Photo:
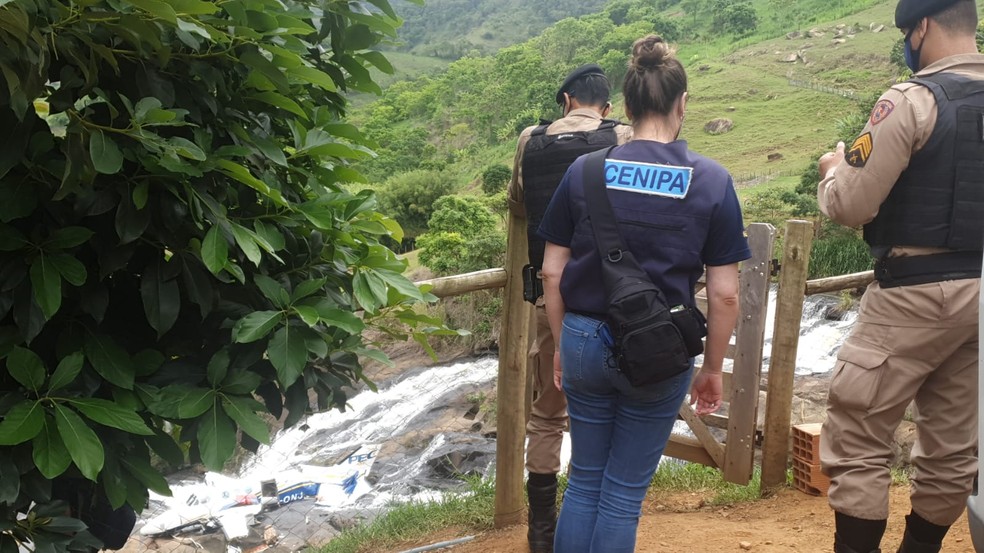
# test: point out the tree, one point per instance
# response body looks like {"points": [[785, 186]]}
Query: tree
{"points": [[410, 198], [463, 236], [175, 241], [495, 177], [738, 18]]}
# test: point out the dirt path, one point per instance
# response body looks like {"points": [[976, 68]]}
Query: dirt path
{"points": [[790, 521]]}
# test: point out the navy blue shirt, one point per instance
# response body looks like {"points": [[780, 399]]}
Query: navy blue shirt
{"points": [[677, 211]]}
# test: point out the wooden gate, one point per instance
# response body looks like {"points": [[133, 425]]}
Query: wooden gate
{"points": [[735, 456]]}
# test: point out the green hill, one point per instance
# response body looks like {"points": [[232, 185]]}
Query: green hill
{"points": [[450, 29], [467, 117]]}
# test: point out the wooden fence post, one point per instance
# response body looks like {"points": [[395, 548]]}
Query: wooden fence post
{"points": [[785, 338], [747, 372], [511, 388]]}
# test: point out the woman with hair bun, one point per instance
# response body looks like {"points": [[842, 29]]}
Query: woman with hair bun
{"points": [[678, 213]]}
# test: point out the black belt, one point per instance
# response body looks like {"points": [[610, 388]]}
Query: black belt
{"points": [[923, 269]]}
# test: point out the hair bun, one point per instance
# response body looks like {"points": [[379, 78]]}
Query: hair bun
{"points": [[650, 52]]}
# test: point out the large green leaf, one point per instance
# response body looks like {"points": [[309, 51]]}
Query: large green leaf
{"points": [[195, 401], [50, 455], [218, 367], [145, 473], [46, 282], [272, 290], [109, 360], [9, 481], [306, 288], [216, 438], [246, 243], [243, 175], [255, 326], [71, 269], [105, 154], [68, 369], [345, 320], [215, 250], [288, 354], [307, 314], [241, 382], [161, 299], [21, 423], [243, 412], [68, 237], [82, 443], [27, 368], [110, 414]]}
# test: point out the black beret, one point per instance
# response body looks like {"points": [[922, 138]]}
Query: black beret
{"points": [[583, 71], [909, 12]]}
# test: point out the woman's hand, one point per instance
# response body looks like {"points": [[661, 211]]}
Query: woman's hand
{"points": [[558, 372], [706, 392]]}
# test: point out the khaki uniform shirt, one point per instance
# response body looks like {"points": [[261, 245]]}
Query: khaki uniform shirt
{"points": [[853, 195], [583, 119]]}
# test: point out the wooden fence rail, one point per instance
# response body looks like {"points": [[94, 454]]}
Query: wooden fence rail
{"points": [[734, 456]]}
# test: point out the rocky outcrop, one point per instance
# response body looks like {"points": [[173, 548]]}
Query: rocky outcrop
{"points": [[719, 126]]}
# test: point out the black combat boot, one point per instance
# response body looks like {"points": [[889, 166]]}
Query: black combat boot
{"points": [[857, 535], [910, 545], [541, 489], [922, 536], [841, 547]]}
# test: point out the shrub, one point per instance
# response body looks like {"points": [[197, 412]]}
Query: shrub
{"points": [[410, 198], [178, 244], [495, 177], [464, 236]]}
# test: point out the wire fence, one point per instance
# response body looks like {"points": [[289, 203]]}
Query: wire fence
{"points": [[812, 85], [423, 433]]}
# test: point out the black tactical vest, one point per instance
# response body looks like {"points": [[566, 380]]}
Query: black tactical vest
{"points": [[938, 200], [545, 160]]}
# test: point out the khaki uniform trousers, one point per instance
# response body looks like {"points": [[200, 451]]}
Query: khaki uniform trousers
{"points": [[548, 416], [911, 343]]}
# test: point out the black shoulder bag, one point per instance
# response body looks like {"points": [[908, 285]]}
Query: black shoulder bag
{"points": [[652, 343]]}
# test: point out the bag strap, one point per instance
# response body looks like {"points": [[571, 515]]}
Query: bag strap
{"points": [[607, 237]]}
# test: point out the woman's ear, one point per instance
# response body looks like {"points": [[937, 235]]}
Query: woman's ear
{"points": [[683, 105]]}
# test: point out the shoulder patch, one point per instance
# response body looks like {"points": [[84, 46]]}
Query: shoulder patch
{"points": [[648, 178], [860, 151], [881, 111]]}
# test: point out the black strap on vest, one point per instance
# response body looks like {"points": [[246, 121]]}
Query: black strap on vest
{"points": [[605, 125], [923, 269], [609, 240]]}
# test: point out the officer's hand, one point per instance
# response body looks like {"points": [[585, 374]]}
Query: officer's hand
{"points": [[706, 392], [558, 372], [830, 160]]}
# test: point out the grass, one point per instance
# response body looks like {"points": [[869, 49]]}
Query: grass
{"points": [[679, 476], [472, 509]]}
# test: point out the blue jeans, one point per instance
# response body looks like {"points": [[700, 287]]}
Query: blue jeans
{"points": [[618, 433]]}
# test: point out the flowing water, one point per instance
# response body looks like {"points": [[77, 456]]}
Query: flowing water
{"points": [[413, 438]]}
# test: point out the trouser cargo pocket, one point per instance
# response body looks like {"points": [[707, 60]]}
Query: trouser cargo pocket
{"points": [[857, 375]]}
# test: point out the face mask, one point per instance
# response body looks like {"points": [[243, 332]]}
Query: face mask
{"points": [[912, 56]]}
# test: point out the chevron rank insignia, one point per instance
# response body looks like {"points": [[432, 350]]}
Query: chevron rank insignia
{"points": [[860, 151]]}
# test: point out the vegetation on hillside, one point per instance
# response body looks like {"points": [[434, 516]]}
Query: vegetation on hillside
{"points": [[451, 29], [174, 240]]}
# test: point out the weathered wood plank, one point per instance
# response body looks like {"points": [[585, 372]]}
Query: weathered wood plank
{"points": [[838, 283], [714, 448], [785, 339], [688, 449], [510, 443], [457, 285], [744, 397]]}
